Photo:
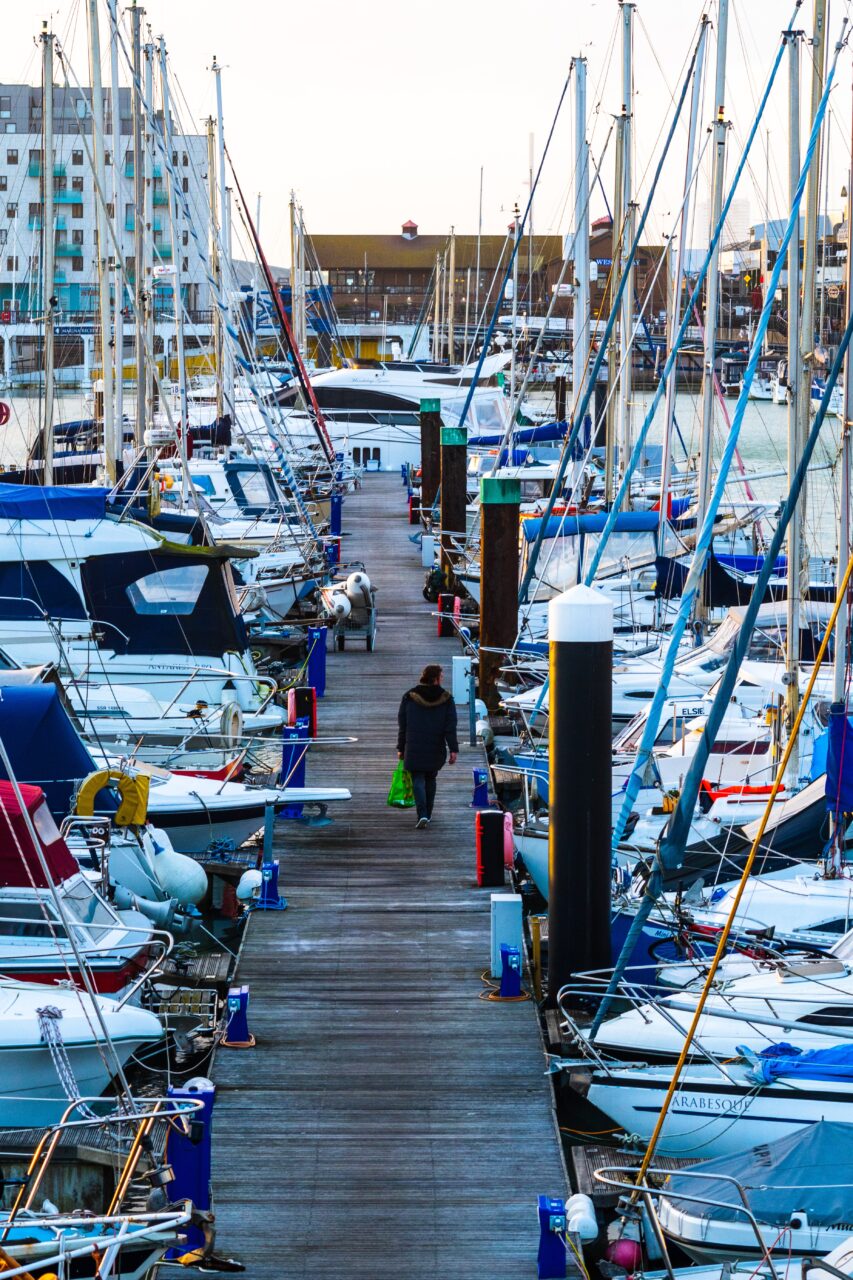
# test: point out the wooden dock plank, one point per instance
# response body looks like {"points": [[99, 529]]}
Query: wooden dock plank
{"points": [[389, 1121]]}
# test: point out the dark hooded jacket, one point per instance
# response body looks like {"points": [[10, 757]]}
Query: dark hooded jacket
{"points": [[426, 728]]}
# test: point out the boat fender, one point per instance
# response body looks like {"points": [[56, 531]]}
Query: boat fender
{"points": [[580, 1217], [160, 913], [340, 606], [249, 885], [231, 723], [181, 877], [358, 588], [133, 790]]}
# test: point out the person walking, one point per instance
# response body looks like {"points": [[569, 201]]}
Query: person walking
{"points": [[426, 737]]}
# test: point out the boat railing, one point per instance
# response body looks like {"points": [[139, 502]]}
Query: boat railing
{"points": [[619, 1179], [107, 1245], [174, 1112]]}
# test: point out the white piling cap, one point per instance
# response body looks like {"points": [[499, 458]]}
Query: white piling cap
{"points": [[580, 615]]}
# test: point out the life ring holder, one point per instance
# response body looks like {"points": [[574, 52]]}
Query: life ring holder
{"points": [[133, 789]]}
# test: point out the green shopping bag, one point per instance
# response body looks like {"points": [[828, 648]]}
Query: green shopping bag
{"points": [[401, 795]]}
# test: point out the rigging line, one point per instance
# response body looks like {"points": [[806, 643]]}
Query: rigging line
{"points": [[592, 376], [679, 825], [517, 237], [685, 322], [727, 927]]}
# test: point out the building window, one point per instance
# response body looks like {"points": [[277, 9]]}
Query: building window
{"points": [[5, 106], [111, 210], [11, 210], [186, 185], [185, 238], [76, 184], [174, 157], [60, 183], [10, 127], [3, 235], [82, 110], [35, 211], [12, 156], [12, 263], [77, 236], [185, 264], [76, 211], [76, 264], [108, 157], [35, 160], [185, 160], [4, 182], [76, 157]]}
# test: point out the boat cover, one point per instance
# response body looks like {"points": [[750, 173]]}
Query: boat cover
{"points": [[839, 761], [785, 1060], [569, 526], [43, 746], [52, 502], [811, 1169], [19, 861]]}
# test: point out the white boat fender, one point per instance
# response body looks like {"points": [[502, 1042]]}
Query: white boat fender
{"points": [[580, 1217], [357, 584], [248, 886], [181, 877], [231, 723], [340, 606]]}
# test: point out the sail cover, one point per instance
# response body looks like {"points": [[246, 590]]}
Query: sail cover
{"points": [[43, 746], [810, 1169], [839, 761]]}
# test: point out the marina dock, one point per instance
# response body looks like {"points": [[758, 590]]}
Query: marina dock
{"points": [[389, 1121]]}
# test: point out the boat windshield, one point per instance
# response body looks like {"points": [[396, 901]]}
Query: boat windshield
{"points": [[83, 905]]}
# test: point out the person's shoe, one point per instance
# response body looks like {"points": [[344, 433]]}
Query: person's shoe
{"points": [[422, 824]]}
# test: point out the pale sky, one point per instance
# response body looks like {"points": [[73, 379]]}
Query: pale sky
{"points": [[377, 112]]}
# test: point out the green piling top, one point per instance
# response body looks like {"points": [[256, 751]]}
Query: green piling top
{"points": [[454, 435], [496, 491], [430, 406]]}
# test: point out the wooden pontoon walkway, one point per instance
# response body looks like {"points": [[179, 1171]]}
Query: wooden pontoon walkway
{"points": [[389, 1122]]}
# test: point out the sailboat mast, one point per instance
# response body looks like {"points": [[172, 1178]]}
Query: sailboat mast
{"points": [[107, 351], [49, 301], [479, 238], [138, 216], [718, 165], [613, 374], [797, 567], [451, 300], [148, 230], [118, 277], [225, 266], [214, 263], [294, 268], [677, 282], [794, 358], [846, 461], [515, 239], [180, 355], [580, 250], [626, 324]]}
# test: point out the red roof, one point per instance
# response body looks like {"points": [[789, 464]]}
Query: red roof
{"points": [[410, 226], [19, 862]]}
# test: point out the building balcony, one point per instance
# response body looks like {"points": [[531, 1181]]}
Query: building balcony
{"points": [[156, 172], [161, 197], [34, 224], [34, 169], [163, 250], [130, 223], [68, 197], [66, 250]]}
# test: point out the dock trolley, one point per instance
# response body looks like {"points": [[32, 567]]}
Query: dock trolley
{"points": [[360, 625]]}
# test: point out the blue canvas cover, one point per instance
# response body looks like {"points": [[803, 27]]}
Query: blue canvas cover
{"points": [[43, 746], [786, 1061], [52, 502], [810, 1169], [567, 526], [839, 761]]}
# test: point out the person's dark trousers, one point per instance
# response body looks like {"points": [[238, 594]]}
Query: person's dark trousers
{"points": [[423, 785]]}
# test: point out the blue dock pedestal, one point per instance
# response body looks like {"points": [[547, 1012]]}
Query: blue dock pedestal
{"points": [[317, 659], [294, 755], [189, 1154], [333, 552], [510, 972], [551, 1258], [480, 798], [237, 1034], [336, 507], [269, 898]]}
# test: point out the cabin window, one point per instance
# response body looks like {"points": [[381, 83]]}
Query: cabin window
{"points": [[88, 908], [28, 920], [171, 591], [47, 830]]}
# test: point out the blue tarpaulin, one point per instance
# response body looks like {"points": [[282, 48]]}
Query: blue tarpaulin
{"points": [[52, 502], [546, 431], [567, 526], [839, 761], [43, 745], [785, 1060]]}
